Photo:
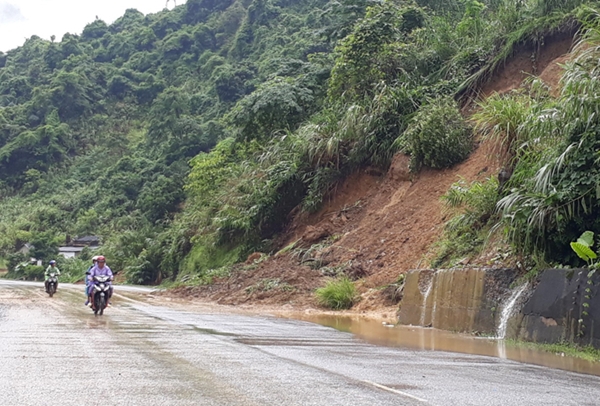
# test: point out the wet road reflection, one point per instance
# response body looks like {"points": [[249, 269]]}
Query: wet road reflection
{"points": [[145, 352], [428, 339]]}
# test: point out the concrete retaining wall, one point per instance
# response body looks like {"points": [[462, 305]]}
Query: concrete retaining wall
{"points": [[466, 300], [554, 310]]}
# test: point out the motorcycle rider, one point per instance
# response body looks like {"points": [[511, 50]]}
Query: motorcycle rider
{"points": [[52, 268], [85, 278], [99, 269]]}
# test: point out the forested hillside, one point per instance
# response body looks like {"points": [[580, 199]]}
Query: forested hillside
{"points": [[188, 139], [97, 129]]}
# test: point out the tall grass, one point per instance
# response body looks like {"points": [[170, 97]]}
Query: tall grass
{"points": [[500, 119], [472, 208], [337, 294], [554, 196], [520, 27]]}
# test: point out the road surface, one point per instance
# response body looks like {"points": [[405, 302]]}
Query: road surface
{"points": [[55, 352]]}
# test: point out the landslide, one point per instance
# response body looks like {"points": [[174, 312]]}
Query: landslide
{"points": [[376, 225]]}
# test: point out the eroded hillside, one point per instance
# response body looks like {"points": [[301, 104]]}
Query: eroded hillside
{"points": [[376, 226]]}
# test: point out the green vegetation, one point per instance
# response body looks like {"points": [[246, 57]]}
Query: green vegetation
{"points": [[205, 278], [549, 149], [472, 208], [553, 192], [71, 269], [269, 284], [438, 136], [587, 353], [186, 138], [337, 294], [97, 131], [315, 256], [583, 248]]}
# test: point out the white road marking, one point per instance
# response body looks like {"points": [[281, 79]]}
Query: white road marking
{"points": [[386, 388]]}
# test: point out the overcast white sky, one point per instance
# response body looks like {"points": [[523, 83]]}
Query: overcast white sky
{"points": [[20, 19]]}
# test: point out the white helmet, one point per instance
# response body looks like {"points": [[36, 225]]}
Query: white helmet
{"points": [[95, 258]]}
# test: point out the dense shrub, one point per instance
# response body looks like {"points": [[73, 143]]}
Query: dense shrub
{"points": [[438, 136], [73, 269], [27, 272]]}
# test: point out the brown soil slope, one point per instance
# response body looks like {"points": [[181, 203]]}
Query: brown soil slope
{"points": [[377, 225]]}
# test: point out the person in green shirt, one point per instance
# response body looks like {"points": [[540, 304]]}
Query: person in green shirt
{"points": [[52, 268]]}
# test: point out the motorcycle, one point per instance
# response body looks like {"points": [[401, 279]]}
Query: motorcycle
{"points": [[52, 283], [101, 293]]}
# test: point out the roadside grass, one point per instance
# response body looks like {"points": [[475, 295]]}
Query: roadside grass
{"points": [[68, 277], [337, 294], [3, 267], [587, 353], [206, 277]]}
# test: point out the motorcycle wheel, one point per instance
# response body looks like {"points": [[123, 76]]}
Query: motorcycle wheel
{"points": [[95, 305], [102, 305], [51, 290]]}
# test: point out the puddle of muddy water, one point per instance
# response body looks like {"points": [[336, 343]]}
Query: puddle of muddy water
{"points": [[428, 339]]}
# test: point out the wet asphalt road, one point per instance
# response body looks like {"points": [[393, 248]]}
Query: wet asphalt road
{"points": [[55, 352]]}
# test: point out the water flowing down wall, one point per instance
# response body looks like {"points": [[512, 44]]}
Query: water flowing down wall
{"points": [[466, 300], [562, 306]]}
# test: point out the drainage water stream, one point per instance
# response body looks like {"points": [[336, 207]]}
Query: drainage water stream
{"points": [[429, 339]]}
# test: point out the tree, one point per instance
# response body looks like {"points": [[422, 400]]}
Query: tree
{"points": [[70, 46], [343, 15], [53, 56], [231, 83], [119, 86], [197, 11], [176, 44], [35, 149], [160, 197], [280, 104], [94, 30], [72, 94], [44, 246], [366, 56], [131, 19]]}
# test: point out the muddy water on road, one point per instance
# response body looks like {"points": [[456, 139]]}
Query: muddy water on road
{"points": [[372, 331], [428, 339], [156, 355]]}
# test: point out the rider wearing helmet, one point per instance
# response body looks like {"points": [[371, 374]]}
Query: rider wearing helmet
{"points": [[85, 278], [51, 268], [99, 269]]}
